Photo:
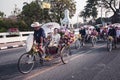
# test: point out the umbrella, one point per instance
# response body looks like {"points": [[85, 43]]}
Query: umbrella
{"points": [[91, 27], [49, 27], [116, 24]]}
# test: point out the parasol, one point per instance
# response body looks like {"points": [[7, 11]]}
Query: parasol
{"points": [[49, 27]]}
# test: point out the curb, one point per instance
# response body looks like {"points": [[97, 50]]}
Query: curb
{"points": [[13, 46]]}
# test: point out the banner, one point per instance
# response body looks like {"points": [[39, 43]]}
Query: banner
{"points": [[46, 5]]}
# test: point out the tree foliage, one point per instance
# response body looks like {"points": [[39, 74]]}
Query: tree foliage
{"points": [[34, 12], [5, 24], [109, 4], [113, 5], [30, 13], [2, 14], [90, 9]]}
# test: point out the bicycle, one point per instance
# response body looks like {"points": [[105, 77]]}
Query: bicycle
{"points": [[77, 42], [104, 36], [81, 40], [27, 60]]}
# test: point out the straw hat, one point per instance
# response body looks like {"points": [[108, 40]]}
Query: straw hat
{"points": [[36, 24]]}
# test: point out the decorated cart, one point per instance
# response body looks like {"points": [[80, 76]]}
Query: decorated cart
{"points": [[69, 38]]}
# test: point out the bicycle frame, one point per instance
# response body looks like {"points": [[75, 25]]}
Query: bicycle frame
{"points": [[93, 40]]}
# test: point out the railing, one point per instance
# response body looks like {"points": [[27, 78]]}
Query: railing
{"points": [[6, 37], [22, 36]]}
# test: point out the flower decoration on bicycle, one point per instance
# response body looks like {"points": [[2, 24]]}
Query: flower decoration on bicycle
{"points": [[67, 38], [35, 48]]}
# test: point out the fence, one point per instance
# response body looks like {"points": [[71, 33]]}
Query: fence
{"points": [[6, 37], [22, 36]]}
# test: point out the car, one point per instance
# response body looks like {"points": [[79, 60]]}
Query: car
{"points": [[13, 31]]}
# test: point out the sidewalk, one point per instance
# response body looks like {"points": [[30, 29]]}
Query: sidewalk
{"points": [[11, 45]]}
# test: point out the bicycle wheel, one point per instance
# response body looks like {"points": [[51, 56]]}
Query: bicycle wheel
{"points": [[65, 55], [109, 46], [77, 44], [26, 63], [93, 42], [81, 43]]}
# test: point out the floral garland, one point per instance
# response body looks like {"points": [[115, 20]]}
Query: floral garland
{"points": [[67, 37]]}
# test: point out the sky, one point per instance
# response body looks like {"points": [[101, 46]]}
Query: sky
{"points": [[7, 6]]}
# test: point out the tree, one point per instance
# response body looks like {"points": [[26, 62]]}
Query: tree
{"points": [[109, 4], [2, 14], [84, 14], [16, 11], [112, 4], [90, 10], [92, 5], [34, 11], [30, 13]]}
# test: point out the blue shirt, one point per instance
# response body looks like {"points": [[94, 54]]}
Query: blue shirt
{"points": [[38, 34]]}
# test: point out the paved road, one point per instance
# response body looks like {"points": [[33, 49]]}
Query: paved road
{"points": [[11, 45], [87, 63]]}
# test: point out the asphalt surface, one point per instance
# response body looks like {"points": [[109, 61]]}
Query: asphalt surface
{"points": [[87, 63]]}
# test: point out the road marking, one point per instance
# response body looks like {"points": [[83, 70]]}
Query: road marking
{"points": [[48, 69], [15, 45], [99, 46], [75, 57], [3, 47]]}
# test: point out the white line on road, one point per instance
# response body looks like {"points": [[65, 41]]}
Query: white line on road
{"points": [[3, 47]]}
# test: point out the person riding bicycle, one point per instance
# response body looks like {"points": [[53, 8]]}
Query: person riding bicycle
{"points": [[82, 31], [112, 33], [89, 33], [39, 36], [104, 33], [94, 33]]}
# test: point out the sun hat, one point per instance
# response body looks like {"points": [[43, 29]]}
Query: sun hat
{"points": [[36, 24]]}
